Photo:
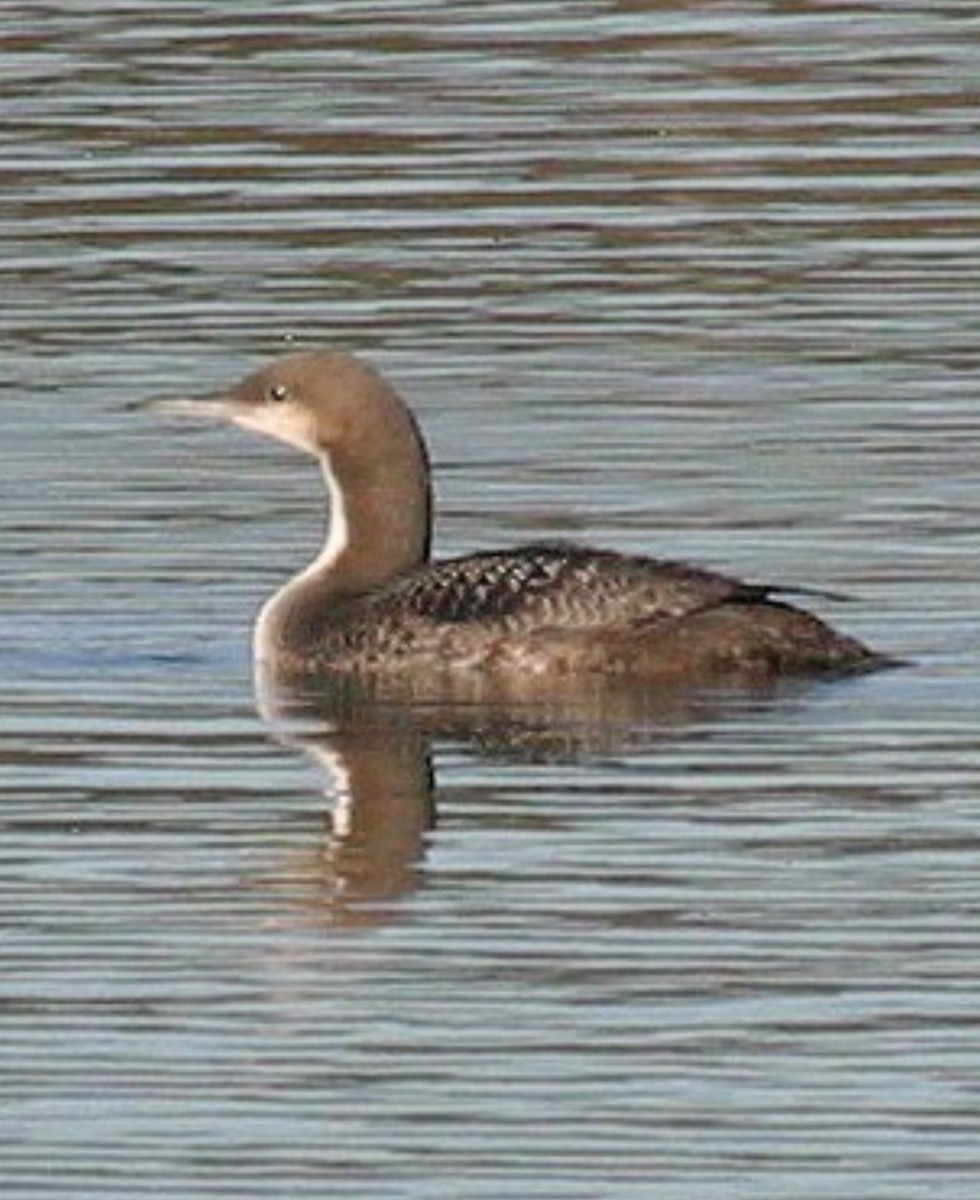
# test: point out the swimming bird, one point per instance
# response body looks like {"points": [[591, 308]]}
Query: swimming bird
{"points": [[373, 603]]}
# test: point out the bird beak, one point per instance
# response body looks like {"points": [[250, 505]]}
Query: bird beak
{"points": [[216, 408]]}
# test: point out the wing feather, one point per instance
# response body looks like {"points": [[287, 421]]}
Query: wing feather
{"points": [[551, 583]]}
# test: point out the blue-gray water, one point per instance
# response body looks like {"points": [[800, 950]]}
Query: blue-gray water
{"points": [[694, 279]]}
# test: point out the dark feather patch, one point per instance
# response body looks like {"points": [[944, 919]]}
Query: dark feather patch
{"points": [[557, 583]]}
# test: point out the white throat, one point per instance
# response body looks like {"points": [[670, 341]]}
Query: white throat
{"points": [[337, 541], [338, 533]]}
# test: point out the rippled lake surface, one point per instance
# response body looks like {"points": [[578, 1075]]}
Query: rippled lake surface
{"points": [[699, 280]]}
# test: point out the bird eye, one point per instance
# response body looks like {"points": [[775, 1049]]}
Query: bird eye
{"points": [[277, 393]]}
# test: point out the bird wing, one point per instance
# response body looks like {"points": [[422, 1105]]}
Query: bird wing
{"points": [[564, 584]]}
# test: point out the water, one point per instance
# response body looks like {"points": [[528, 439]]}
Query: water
{"points": [[693, 279]]}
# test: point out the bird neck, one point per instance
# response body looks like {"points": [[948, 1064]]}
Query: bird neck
{"points": [[380, 517], [379, 528]]}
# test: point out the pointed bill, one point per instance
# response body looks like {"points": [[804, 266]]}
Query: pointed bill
{"points": [[208, 408]]}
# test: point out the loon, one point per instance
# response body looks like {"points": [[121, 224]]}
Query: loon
{"points": [[373, 603]]}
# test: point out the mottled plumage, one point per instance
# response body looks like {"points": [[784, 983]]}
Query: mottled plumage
{"points": [[558, 583], [569, 609], [373, 604]]}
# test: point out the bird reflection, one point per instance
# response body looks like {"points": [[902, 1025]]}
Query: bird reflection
{"points": [[377, 768], [374, 742]]}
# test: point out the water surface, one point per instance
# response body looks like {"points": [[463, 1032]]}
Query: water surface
{"points": [[698, 280]]}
